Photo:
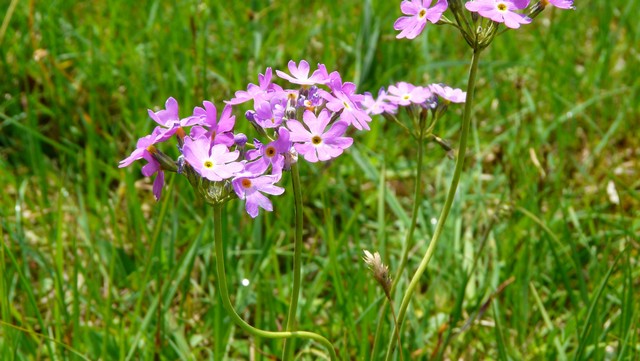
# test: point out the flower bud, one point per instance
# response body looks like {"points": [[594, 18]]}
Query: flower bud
{"points": [[165, 161]]}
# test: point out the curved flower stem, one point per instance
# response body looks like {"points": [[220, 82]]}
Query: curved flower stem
{"points": [[226, 302], [466, 121], [287, 353]]}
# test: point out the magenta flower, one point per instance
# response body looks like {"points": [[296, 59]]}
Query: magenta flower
{"points": [[379, 105], [270, 154], [143, 150], [269, 114], [153, 167], [250, 188], [501, 11], [405, 93], [345, 100], [169, 120], [448, 93], [418, 12], [562, 4], [316, 143], [212, 162], [253, 91], [301, 74], [220, 131]]}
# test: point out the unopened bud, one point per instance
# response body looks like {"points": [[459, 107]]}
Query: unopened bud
{"points": [[165, 161]]}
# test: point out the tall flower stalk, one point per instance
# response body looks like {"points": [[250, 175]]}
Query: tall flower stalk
{"points": [[453, 187], [287, 353], [479, 22], [226, 302]]}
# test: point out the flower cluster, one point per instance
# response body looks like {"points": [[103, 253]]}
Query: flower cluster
{"points": [[405, 94], [418, 12], [310, 120]]}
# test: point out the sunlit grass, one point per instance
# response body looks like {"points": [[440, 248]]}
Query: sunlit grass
{"points": [[538, 260]]}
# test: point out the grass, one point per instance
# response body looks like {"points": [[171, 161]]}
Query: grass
{"points": [[537, 261]]}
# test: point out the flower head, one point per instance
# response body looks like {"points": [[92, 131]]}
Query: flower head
{"points": [[448, 93], [404, 93], [151, 168], [250, 188], [317, 143], [169, 121], [141, 149], [379, 105], [501, 11], [418, 12], [301, 74], [253, 91], [270, 154], [220, 130], [345, 100], [215, 162], [562, 4]]}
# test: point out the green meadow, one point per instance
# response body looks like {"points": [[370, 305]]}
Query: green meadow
{"points": [[539, 259]]}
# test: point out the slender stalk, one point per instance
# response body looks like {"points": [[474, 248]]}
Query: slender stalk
{"points": [[287, 353], [417, 197], [462, 149], [417, 200], [226, 302]]}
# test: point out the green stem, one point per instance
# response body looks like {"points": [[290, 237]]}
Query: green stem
{"points": [[466, 121], [417, 200], [417, 197], [226, 302], [287, 353]]}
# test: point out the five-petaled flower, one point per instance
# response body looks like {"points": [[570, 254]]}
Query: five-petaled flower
{"points": [[501, 11], [250, 188], [418, 11], [215, 162], [317, 143]]}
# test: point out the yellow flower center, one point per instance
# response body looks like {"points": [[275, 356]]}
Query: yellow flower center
{"points": [[270, 152], [502, 7], [208, 164], [316, 140], [422, 13]]}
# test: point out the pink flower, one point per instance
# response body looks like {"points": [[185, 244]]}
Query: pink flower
{"points": [[250, 188], [501, 11], [169, 120], [344, 99], [215, 163], [448, 93], [317, 143], [405, 93], [562, 4], [418, 12], [220, 130], [378, 106], [301, 74], [253, 91]]}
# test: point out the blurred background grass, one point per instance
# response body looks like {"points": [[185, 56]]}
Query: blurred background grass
{"points": [[539, 259]]}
